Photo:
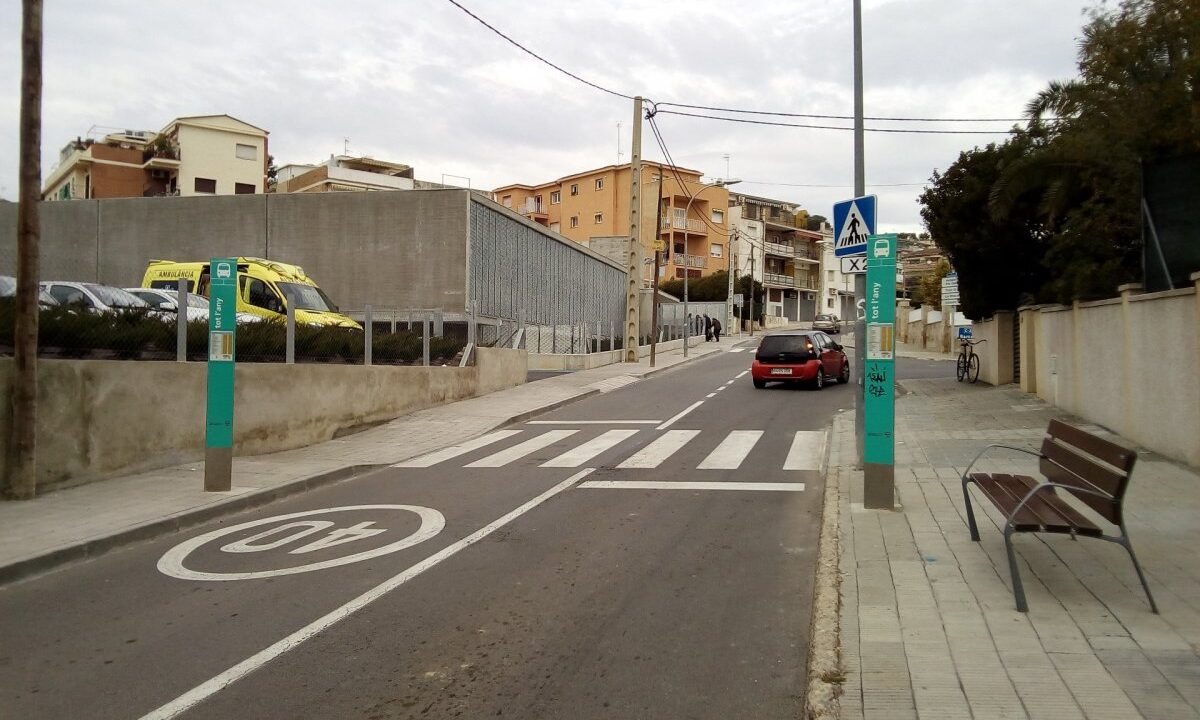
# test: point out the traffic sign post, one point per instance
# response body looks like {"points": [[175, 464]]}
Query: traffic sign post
{"points": [[222, 328], [878, 371]]}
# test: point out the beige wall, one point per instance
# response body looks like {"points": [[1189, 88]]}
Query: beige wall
{"points": [[100, 418], [1130, 364], [210, 151]]}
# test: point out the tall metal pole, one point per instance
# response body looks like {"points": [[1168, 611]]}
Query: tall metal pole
{"points": [[751, 290], [633, 266], [729, 250], [657, 261], [687, 333], [860, 189]]}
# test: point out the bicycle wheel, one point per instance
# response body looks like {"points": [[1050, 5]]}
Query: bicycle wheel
{"points": [[973, 368], [961, 370]]}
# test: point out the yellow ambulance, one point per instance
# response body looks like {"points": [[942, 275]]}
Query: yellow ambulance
{"points": [[264, 287]]}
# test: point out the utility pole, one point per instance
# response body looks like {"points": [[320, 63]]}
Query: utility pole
{"points": [[633, 268], [658, 242], [22, 480], [733, 238], [751, 289], [860, 279]]}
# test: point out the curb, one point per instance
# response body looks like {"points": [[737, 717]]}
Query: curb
{"points": [[522, 417], [176, 522], [824, 650]]}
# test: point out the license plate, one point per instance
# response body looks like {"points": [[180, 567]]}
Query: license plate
{"points": [[781, 371]]}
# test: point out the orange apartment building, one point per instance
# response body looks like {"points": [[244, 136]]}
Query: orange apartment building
{"points": [[595, 204]]}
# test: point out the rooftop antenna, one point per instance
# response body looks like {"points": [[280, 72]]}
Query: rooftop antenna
{"points": [[726, 156], [620, 154], [345, 146]]}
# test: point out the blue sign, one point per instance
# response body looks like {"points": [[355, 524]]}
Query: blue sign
{"points": [[853, 221], [964, 332]]}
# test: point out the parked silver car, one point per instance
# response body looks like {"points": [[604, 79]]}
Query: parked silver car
{"points": [[8, 288], [95, 297], [827, 323]]}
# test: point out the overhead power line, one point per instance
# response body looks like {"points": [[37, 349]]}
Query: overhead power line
{"points": [[810, 185], [835, 117], [836, 127]]}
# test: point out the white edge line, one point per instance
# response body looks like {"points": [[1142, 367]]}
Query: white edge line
{"points": [[211, 687], [682, 485], [592, 422], [685, 411], [741, 374]]}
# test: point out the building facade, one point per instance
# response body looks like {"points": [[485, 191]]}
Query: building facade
{"points": [[693, 226], [344, 173], [775, 246], [201, 155]]}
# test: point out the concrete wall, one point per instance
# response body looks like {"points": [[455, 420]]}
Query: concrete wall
{"points": [[100, 418], [1130, 364], [582, 361], [996, 353]]}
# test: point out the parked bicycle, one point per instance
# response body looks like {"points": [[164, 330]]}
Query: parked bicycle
{"points": [[968, 361]]}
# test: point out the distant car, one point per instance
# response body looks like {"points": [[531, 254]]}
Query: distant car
{"points": [[167, 301], [8, 288], [827, 323], [804, 356], [95, 297]]}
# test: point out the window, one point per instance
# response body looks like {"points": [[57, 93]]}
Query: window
{"points": [[599, 218], [829, 274], [829, 303], [260, 295], [714, 250], [67, 295], [574, 221], [247, 152], [718, 216], [575, 189], [555, 197], [243, 189], [599, 183], [206, 185], [507, 201], [679, 248]]}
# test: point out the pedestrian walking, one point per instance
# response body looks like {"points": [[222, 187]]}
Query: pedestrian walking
{"points": [[707, 328], [717, 329]]}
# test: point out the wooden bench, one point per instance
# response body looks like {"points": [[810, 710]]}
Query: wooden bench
{"points": [[1094, 470]]}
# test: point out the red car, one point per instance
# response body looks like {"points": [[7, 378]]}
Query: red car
{"points": [[807, 356]]}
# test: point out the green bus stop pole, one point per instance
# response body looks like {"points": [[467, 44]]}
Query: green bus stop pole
{"points": [[222, 328], [879, 374]]}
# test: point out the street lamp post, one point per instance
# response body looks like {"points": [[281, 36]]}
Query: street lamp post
{"points": [[687, 333]]}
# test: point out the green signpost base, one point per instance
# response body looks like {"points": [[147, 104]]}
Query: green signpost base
{"points": [[222, 331]]}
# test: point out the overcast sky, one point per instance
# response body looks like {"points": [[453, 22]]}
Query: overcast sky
{"points": [[419, 82]]}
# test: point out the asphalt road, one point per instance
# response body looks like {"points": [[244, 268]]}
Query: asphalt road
{"points": [[645, 553]]}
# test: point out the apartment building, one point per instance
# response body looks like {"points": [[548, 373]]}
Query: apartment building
{"points": [[774, 244], [693, 231], [344, 173], [199, 155]]}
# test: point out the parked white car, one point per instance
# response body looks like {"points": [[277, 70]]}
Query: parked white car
{"points": [[95, 297], [8, 288], [168, 301]]}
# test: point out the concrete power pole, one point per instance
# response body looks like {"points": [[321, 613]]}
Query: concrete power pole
{"points": [[633, 266], [22, 480]]}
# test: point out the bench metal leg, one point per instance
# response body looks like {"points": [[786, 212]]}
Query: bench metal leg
{"points": [[1124, 541], [1018, 589], [970, 513]]}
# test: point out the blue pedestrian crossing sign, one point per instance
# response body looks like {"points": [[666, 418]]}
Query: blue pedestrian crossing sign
{"points": [[853, 221]]}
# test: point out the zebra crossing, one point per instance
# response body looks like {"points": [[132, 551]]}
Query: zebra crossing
{"points": [[730, 450]]}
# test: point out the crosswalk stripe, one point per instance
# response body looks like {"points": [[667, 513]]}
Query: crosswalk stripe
{"points": [[590, 449], [454, 451], [732, 450], [520, 450], [807, 451], [738, 350], [690, 485], [664, 447]]}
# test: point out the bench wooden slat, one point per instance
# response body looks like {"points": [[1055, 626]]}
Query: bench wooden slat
{"points": [[1119, 457], [1045, 511]]}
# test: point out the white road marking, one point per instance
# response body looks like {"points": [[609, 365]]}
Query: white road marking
{"points": [[453, 451], [171, 563], [807, 451], [741, 374], [590, 449], [719, 389], [732, 450], [211, 687], [593, 422], [675, 419], [520, 450], [730, 382], [711, 395], [664, 447], [738, 350], [666, 485]]}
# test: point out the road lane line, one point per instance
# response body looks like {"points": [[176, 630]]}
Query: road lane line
{"points": [[732, 450], [667, 485], [214, 685], [520, 450], [806, 451], [741, 374], [592, 422], [685, 411], [454, 451], [590, 449], [664, 447], [731, 382], [711, 395], [738, 350]]}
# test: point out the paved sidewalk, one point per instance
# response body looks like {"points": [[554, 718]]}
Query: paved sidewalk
{"points": [[69, 524], [928, 624]]}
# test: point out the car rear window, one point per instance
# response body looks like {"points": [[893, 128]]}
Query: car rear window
{"points": [[781, 344]]}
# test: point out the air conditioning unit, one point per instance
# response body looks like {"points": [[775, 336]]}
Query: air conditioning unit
{"points": [[808, 296]]}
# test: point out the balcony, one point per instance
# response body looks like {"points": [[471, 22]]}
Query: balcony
{"points": [[779, 249], [696, 227], [692, 261], [774, 280]]}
